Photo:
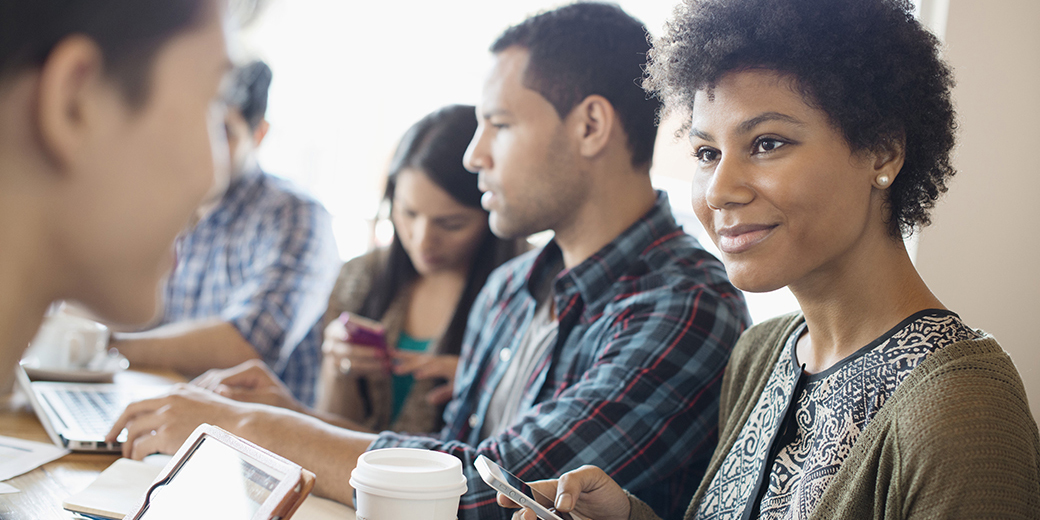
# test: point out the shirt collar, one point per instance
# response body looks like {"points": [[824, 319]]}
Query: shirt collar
{"points": [[596, 274]]}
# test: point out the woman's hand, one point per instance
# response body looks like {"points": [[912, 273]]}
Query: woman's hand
{"points": [[351, 358], [587, 491], [253, 382], [427, 366]]}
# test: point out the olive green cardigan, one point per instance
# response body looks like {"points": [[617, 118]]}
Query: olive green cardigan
{"points": [[955, 440]]}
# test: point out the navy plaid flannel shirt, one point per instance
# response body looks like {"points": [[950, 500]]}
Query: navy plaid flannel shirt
{"points": [[264, 260], [632, 384]]}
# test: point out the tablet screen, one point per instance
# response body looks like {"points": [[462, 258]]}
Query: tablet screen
{"points": [[215, 481]]}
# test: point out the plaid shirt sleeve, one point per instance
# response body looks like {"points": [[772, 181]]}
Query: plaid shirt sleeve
{"points": [[641, 404], [287, 282]]}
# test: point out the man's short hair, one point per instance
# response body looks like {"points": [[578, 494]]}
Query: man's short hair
{"points": [[248, 90], [586, 49], [129, 33]]}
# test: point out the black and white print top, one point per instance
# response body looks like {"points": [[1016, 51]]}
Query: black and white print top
{"points": [[806, 424]]}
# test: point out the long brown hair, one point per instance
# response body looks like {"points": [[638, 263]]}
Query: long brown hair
{"points": [[435, 145]]}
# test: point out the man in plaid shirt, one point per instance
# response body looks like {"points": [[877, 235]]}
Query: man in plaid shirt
{"points": [[604, 347], [254, 272]]}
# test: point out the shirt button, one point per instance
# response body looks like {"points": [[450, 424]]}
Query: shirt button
{"points": [[474, 421], [505, 354]]}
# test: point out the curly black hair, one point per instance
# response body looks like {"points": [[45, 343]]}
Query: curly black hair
{"points": [[868, 64]]}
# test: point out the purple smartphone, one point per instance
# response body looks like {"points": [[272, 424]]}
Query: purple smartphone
{"points": [[363, 331]]}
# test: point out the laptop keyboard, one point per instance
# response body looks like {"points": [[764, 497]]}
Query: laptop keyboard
{"points": [[94, 411]]}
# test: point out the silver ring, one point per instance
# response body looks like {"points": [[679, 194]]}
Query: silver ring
{"points": [[344, 366]]}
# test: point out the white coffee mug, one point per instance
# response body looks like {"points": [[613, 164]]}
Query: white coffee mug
{"points": [[396, 483], [67, 342]]}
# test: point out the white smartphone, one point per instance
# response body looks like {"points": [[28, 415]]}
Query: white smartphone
{"points": [[518, 491]]}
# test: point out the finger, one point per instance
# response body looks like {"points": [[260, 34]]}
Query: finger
{"points": [[248, 395], [354, 351], [207, 379], [335, 330], [438, 366], [159, 441], [573, 483], [364, 365], [143, 426], [439, 395], [133, 410], [410, 363], [251, 374]]}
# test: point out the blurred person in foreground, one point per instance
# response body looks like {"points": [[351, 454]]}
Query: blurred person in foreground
{"points": [[254, 270], [606, 344], [420, 289], [822, 131], [108, 140]]}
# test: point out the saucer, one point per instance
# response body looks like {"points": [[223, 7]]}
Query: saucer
{"points": [[102, 372]]}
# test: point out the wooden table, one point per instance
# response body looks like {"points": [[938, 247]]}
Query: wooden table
{"points": [[45, 488]]}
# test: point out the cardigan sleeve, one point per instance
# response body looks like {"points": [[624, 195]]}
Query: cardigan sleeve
{"points": [[639, 509], [967, 446]]}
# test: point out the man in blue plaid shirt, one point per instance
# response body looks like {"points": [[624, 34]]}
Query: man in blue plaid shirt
{"points": [[254, 273], [604, 347]]}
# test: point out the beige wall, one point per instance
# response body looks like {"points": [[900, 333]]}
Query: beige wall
{"points": [[981, 256]]}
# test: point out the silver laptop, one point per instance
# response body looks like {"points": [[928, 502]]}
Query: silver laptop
{"points": [[78, 415]]}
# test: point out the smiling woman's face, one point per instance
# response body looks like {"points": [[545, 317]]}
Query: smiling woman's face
{"points": [[777, 187]]}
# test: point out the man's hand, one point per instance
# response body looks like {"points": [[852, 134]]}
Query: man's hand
{"points": [[427, 366], [252, 382], [598, 496], [162, 424]]}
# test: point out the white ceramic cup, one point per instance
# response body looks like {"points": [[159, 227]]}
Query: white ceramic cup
{"points": [[400, 483], [67, 342]]}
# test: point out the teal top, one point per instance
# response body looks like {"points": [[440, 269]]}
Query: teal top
{"points": [[402, 385]]}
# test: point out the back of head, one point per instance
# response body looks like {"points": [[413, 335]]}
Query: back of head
{"points": [[128, 32], [586, 49], [435, 146], [868, 64], [247, 91]]}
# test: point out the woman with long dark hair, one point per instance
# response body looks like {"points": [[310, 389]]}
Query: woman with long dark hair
{"points": [[420, 288]]}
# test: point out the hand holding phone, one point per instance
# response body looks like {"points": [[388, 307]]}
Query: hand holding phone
{"points": [[519, 491], [365, 332]]}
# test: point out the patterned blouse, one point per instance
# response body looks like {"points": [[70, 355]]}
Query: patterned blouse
{"points": [[805, 425]]}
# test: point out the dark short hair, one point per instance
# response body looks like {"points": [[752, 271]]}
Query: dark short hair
{"points": [[129, 33], [247, 91], [584, 49], [868, 64]]}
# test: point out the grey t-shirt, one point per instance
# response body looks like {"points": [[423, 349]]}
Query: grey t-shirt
{"points": [[504, 408]]}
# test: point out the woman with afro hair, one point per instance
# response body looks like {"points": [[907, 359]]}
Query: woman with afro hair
{"points": [[822, 131]]}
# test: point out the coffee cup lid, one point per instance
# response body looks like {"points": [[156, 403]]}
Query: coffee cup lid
{"points": [[409, 473]]}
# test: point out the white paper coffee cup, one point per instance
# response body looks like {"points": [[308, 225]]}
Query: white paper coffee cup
{"points": [[405, 483]]}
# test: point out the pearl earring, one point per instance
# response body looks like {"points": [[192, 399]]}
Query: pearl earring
{"points": [[882, 180]]}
